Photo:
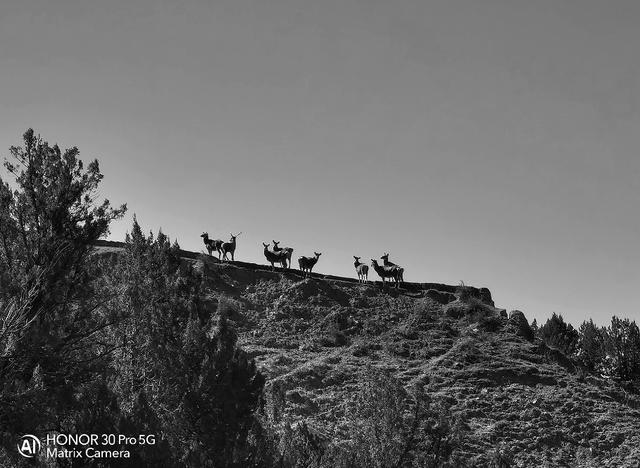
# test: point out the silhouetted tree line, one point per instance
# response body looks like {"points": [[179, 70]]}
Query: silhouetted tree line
{"points": [[99, 344], [132, 344], [612, 351]]}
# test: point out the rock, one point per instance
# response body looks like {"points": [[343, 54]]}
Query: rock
{"points": [[503, 313], [518, 322], [485, 296], [440, 296]]}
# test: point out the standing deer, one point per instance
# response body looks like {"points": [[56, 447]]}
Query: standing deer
{"points": [[387, 263], [275, 257], [288, 250], [392, 272], [212, 244], [362, 270], [306, 264], [229, 247]]}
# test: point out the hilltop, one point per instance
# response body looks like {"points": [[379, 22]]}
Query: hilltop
{"points": [[235, 365], [312, 338]]}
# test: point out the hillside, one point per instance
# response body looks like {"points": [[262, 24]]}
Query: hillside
{"points": [[313, 337]]}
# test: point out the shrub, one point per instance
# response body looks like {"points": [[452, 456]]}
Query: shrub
{"points": [[490, 323], [473, 308], [333, 339], [558, 334], [502, 457], [456, 309], [465, 293], [388, 427]]}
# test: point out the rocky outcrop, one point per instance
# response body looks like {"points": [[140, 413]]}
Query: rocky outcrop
{"points": [[440, 297], [485, 296], [519, 324]]}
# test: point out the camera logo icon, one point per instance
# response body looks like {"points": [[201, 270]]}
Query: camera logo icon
{"points": [[29, 446]]}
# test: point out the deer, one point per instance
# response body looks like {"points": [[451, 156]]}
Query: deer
{"points": [[385, 259], [392, 272], [275, 257], [362, 269], [288, 250], [229, 247], [212, 244], [306, 264]]}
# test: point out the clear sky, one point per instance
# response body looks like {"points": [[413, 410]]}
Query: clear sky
{"points": [[491, 141]]}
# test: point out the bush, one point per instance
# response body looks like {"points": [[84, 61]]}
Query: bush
{"points": [[558, 334], [388, 427], [490, 323], [502, 457], [473, 308], [466, 293]]}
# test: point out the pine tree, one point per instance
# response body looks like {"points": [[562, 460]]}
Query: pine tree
{"points": [[590, 345], [182, 358], [623, 347], [49, 219], [559, 334]]}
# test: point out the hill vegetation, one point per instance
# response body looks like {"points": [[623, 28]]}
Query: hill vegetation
{"points": [[234, 366]]}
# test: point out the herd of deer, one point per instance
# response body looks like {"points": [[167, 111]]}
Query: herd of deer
{"points": [[282, 256]]}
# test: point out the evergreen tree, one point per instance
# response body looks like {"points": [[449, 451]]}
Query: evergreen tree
{"points": [[49, 304], [590, 345], [623, 348], [181, 358], [559, 334]]}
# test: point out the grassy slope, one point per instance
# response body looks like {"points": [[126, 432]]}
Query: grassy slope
{"points": [[314, 337]]}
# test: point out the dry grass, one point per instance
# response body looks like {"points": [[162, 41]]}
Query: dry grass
{"points": [[521, 406]]}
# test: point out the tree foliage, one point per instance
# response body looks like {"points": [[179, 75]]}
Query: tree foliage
{"points": [[612, 351], [180, 358], [49, 307], [128, 344], [387, 427], [559, 334], [622, 345], [590, 345]]}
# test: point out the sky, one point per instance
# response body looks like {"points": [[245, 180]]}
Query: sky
{"points": [[493, 142]]}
